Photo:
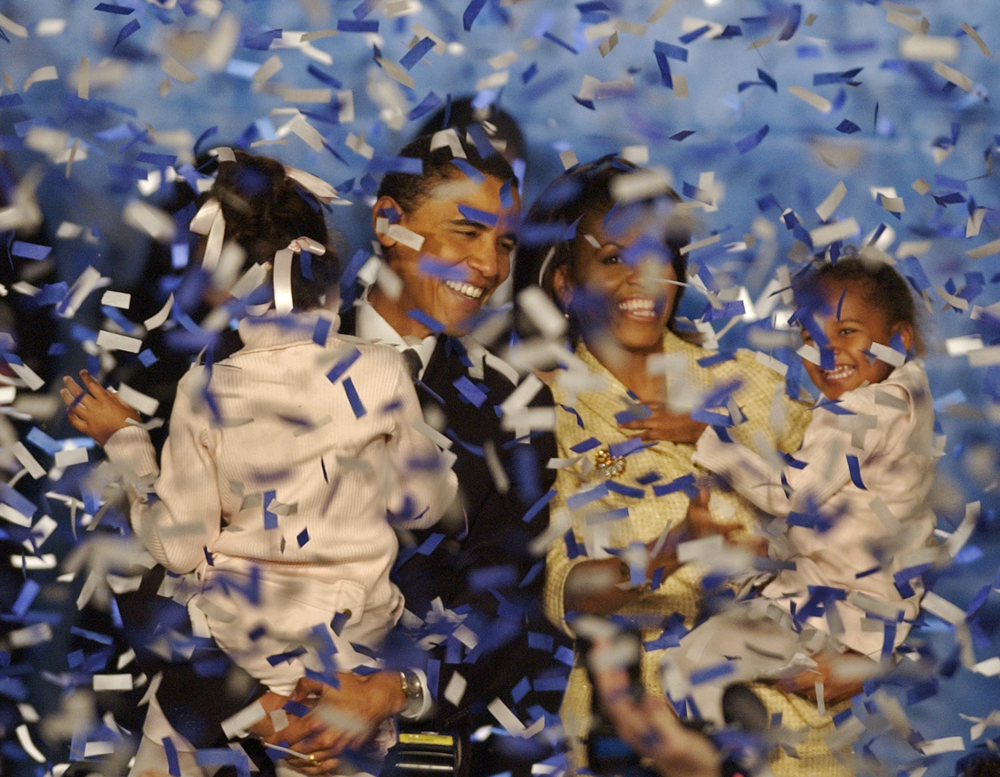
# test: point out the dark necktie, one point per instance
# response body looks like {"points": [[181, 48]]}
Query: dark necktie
{"points": [[413, 363]]}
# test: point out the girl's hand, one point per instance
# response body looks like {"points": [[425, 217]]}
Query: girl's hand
{"points": [[96, 412], [664, 426]]}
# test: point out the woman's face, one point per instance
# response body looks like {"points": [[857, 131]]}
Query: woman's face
{"points": [[618, 283]]}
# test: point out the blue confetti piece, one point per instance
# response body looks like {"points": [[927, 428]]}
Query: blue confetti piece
{"points": [[507, 194], [414, 55], [497, 577], [539, 641], [470, 172], [281, 658], [339, 621], [573, 548], [93, 636], [11, 100], [430, 544], [626, 447], [694, 34], [576, 501], [270, 519], [324, 78], [173, 764], [126, 31], [29, 590], [527, 75], [302, 537], [636, 413], [224, 756], [560, 42], [352, 396], [718, 358], [538, 506], [427, 320], [321, 331], [708, 674], [479, 216], [670, 50], [751, 141], [657, 580], [519, 692], [396, 164], [471, 12], [356, 25], [160, 160], [364, 8], [433, 672], [29, 250], [649, 478], [848, 127], [768, 80], [685, 483], [855, 468], [679, 136], [343, 365], [147, 358], [664, 65], [115, 9], [564, 655], [794, 16], [425, 106], [629, 491], [296, 708], [39, 438], [470, 391]]}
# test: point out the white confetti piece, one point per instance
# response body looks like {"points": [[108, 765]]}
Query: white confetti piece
{"points": [[31, 378], [661, 9], [83, 79], [928, 48], [405, 236], [157, 319], [23, 735], [818, 102], [243, 720], [493, 81], [306, 95], [117, 299], [501, 61], [989, 667], [70, 456], [455, 689], [113, 341], [826, 208], [568, 159], [13, 27], [47, 73], [397, 72], [222, 42], [971, 32], [959, 346], [112, 682], [841, 230], [888, 355], [542, 312], [943, 745], [942, 608], [151, 220], [304, 130], [8, 513], [29, 462], [506, 718], [975, 222], [141, 402], [174, 68], [987, 249], [35, 634], [700, 244], [954, 76]]}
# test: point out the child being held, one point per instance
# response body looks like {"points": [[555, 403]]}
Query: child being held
{"points": [[854, 497], [285, 458]]}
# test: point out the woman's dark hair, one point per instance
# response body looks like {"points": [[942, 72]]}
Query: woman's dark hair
{"points": [[881, 287], [548, 231], [264, 211], [410, 189]]}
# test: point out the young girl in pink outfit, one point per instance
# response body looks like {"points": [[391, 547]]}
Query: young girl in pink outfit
{"points": [[853, 499], [285, 459]]}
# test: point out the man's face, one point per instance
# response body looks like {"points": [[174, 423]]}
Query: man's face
{"points": [[468, 240]]}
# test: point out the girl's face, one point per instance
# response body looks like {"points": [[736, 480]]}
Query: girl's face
{"points": [[630, 301], [850, 338]]}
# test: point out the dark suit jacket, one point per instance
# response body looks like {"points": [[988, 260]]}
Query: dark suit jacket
{"points": [[482, 570]]}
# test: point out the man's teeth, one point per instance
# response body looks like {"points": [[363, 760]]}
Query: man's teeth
{"points": [[470, 291], [840, 372], [642, 306]]}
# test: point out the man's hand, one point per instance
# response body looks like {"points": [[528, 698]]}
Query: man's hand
{"points": [[664, 426], [270, 701], [341, 718], [96, 412]]}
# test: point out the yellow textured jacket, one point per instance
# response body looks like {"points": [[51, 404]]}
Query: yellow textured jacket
{"points": [[771, 421]]}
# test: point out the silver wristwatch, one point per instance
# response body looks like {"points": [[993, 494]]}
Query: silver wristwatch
{"points": [[413, 690]]}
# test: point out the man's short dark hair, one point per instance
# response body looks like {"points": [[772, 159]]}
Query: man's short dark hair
{"points": [[410, 189]]}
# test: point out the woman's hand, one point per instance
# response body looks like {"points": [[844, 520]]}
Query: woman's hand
{"points": [[664, 426], [835, 688], [341, 718], [654, 731], [96, 412]]}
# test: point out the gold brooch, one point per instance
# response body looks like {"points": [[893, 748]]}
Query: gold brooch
{"points": [[608, 466]]}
